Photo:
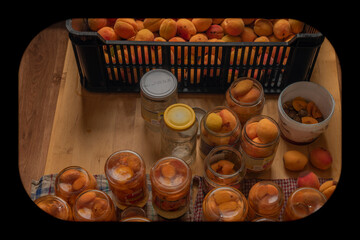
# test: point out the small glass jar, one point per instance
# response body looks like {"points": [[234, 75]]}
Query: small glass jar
{"points": [[259, 155], [170, 181], [178, 133], [228, 133], [245, 110], [133, 214], [94, 206], [224, 204], [223, 166], [266, 200], [55, 206], [126, 173], [71, 181], [158, 89], [303, 202]]}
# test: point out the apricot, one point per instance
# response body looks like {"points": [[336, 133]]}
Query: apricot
{"points": [[185, 28], [308, 120], [201, 24], [99, 207], [308, 179], [168, 171], [281, 29], [295, 160], [248, 21], [79, 183], [85, 199], [248, 35], [250, 96], [159, 39], [262, 39], [242, 87], [251, 130], [108, 33], [229, 38], [168, 28], [217, 20], [263, 27], [315, 112], [140, 24], [125, 27], [223, 167], [233, 26], [224, 196], [215, 31], [214, 122], [134, 163], [228, 120], [123, 173], [96, 23], [299, 103], [320, 158], [328, 188], [227, 207], [266, 130], [69, 176], [296, 26], [153, 24], [144, 35]]}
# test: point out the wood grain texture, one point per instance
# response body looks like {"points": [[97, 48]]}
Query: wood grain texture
{"points": [[88, 127], [40, 73]]}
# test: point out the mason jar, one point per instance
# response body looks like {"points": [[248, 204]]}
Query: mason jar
{"points": [[55, 206], [249, 108], [178, 132], [158, 90]]}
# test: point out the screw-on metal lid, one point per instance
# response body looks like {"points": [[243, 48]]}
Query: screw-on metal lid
{"points": [[158, 84]]}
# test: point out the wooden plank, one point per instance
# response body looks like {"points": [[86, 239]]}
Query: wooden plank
{"points": [[88, 127]]}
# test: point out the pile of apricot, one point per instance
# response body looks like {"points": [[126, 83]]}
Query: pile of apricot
{"points": [[303, 111], [223, 167]]}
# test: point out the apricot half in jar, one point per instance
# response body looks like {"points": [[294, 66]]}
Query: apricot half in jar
{"points": [[123, 173]]}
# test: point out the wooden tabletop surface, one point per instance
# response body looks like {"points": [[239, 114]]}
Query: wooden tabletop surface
{"points": [[63, 124]]}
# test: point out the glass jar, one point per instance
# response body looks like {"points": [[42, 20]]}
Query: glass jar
{"points": [[245, 109], [224, 131], [71, 181], [158, 89], [225, 204], [303, 202], [266, 200], [223, 166], [134, 214], [178, 133], [94, 206], [170, 181], [55, 206], [259, 153], [126, 173]]}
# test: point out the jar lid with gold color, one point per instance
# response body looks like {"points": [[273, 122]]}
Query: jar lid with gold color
{"points": [[179, 116]]}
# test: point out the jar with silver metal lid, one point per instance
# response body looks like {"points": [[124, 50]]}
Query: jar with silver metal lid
{"points": [[158, 90]]}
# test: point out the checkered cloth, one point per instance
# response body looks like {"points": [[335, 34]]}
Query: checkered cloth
{"points": [[46, 186]]}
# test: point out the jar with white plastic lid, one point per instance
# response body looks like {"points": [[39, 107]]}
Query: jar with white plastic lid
{"points": [[158, 89]]}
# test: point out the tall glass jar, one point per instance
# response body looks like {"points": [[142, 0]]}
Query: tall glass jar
{"points": [[126, 173], [260, 138], [178, 132], [170, 183], [303, 202], [71, 181], [94, 206], [266, 200], [55, 206], [158, 89], [223, 166], [220, 126], [225, 204], [249, 104]]}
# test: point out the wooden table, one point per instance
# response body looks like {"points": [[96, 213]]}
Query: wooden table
{"points": [[88, 127]]}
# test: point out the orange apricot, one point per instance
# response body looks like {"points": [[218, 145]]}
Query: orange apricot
{"points": [[224, 196], [79, 183], [315, 112], [299, 103], [69, 176], [266, 130], [251, 130], [168, 171], [250, 96], [123, 173], [99, 207], [85, 199], [308, 120], [242, 87]]}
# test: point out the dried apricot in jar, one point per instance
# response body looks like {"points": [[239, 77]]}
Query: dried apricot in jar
{"points": [[308, 120], [299, 103]]}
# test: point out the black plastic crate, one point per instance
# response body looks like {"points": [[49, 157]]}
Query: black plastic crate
{"points": [[117, 66]]}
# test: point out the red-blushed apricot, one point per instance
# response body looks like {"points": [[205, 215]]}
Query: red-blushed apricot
{"points": [[228, 119], [308, 179], [251, 130], [320, 158]]}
